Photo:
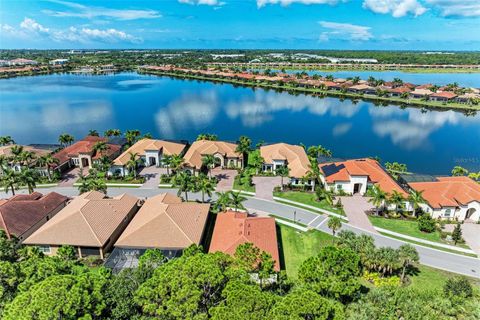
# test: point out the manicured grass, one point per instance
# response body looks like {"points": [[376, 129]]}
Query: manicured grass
{"points": [[308, 199], [431, 278], [298, 246], [243, 187]]}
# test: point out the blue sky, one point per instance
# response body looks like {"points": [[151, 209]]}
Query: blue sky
{"points": [[290, 24]]}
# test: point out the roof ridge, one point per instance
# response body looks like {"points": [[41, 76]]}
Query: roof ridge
{"points": [[176, 224], [88, 224]]}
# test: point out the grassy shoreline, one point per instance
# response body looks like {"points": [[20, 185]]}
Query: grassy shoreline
{"points": [[336, 94]]}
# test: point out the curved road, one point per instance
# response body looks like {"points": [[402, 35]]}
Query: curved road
{"points": [[432, 257]]}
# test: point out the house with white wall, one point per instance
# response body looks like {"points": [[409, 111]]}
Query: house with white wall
{"points": [[450, 198]]}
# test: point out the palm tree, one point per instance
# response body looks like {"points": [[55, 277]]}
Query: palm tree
{"points": [[397, 199], [324, 195], [207, 136], [5, 140], [132, 163], [132, 136], [184, 182], [378, 199], [223, 201], [208, 161], [397, 81], [456, 171], [408, 256], [416, 199], [84, 185], [16, 153], [282, 171], [48, 161], [27, 158], [29, 178], [116, 132], [97, 185], [356, 80], [93, 133], [387, 260], [334, 224], [176, 162], [205, 186], [167, 161], [65, 139], [100, 147], [10, 180], [244, 147], [237, 199]]}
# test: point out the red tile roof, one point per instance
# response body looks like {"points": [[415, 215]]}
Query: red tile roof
{"points": [[85, 146], [400, 90], [21, 212], [448, 191], [343, 170], [235, 228], [444, 94]]}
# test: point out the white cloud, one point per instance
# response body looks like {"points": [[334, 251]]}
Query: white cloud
{"points": [[463, 8], [82, 11], [345, 31], [30, 28], [261, 3], [203, 2], [397, 8]]}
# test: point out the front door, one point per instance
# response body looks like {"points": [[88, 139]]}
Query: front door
{"points": [[356, 188], [152, 161]]}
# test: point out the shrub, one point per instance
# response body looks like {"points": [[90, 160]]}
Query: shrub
{"points": [[458, 287], [426, 223], [378, 281]]}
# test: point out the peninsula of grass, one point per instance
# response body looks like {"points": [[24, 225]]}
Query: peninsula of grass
{"points": [[243, 187], [308, 199], [416, 103]]}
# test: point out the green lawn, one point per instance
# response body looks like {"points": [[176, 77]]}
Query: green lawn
{"points": [[298, 246], [408, 227], [308, 199], [431, 278], [243, 187]]}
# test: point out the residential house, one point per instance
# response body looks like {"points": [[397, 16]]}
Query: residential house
{"points": [[450, 197], [149, 151], [81, 153], [6, 151], [420, 93], [293, 156], [399, 91], [163, 222], [443, 96], [235, 228], [356, 176], [91, 223], [362, 88], [468, 97], [23, 214], [224, 153]]}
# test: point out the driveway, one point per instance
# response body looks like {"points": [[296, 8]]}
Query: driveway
{"points": [[355, 208], [471, 234], [225, 179], [70, 177], [152, 176], [264, 186]]}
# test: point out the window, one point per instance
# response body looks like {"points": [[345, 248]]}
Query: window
{"points": [[448, 212], [339, 187], [44, 249]]}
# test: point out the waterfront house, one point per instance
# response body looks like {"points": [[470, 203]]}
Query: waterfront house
{"points": [[330, 85], [91, 223], [362, 89], [8, 152], [399, 91], [467, 97], [23, 214], [81, 153], [450, 197], [293, 156], [443, 96], [163, 222], [356, 176], [58, 62], [149, 151], [235, 228], [420, 93], [224, 153]]}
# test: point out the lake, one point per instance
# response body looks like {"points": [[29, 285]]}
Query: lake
{"points": [[38, 109]]}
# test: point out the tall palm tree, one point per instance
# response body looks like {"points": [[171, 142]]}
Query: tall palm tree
{"points": [[237, 200], [5, 140], [48, 161], [223, 201], [244, 146], [408, 256], [185, 183], [334, 224], [456, 171], [176, 162], [116, 132], [132, 136], [378, 199], [208, 161], [65, 139], [397, 199], [132, 163], [167, 161], [27, 158], [100, 147], [282, 172], [93, 132], [10, 180], [16, 153], [416, 199], [205, 186], [29, 178]]}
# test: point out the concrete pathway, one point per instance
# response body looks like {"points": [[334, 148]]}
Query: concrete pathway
{"points": [[152, 176], [355, 208], [264, 186], [471, 234], [70, 177], [225, 179]]}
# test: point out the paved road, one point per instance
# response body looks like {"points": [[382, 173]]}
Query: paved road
{"points": [[431, 257]]}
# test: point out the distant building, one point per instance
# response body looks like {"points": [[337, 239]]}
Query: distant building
{"points": [[22, 62], [58, 62], [7, 152], [224, 152], [443, 96]]}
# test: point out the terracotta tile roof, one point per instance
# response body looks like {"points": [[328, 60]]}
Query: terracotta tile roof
{"points": [[85, 146], [425, 86], [235, 228], [444, 94], [362, 87], [21, 212], [88, 220], [295, 156], [167, 147], [400, 90], [448, 191], [198, 149], [7, 150], [343, 170], [422, 92], [164, 221]]}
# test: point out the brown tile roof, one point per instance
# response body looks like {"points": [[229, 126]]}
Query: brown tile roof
{"points": [[21, 212], [167, 147], [422, 92], [7, 150], [362, 87], [164, 221], [444, 94], [88, 220], [343, 170], [198, 149], [85, 146], [235, 228], [448, 191], [400, 90], [295, 156]]}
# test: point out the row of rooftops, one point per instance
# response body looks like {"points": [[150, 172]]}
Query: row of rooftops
{"points": [[424, 90]]}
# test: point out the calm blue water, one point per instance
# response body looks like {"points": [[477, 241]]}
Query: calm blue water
{"points": [[38, 109]]}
